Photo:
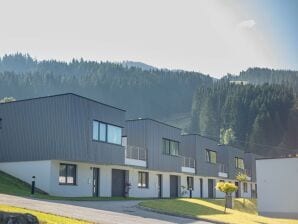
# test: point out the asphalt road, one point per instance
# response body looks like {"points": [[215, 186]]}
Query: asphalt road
{"points": [[103, 212]]}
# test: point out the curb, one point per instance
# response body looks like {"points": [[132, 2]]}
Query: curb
{"points": [[178, 215]]}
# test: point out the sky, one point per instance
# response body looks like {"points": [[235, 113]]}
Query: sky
{"points": [[215, 37]]}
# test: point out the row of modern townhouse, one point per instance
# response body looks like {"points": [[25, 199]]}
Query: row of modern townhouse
{"points": [[76, 146]]}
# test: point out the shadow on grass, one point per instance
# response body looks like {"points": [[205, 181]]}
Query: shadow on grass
{"points": [[250, 205], [181, 207]]}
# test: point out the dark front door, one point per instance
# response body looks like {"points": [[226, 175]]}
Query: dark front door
{"points": [[210, 188], [237, 194], [118, 183], [201, 187], [95, 182], [159, 185], [173, 186]]}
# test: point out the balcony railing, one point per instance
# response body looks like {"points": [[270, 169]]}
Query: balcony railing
{"points": [[135, 152], [245, 171], [189, 162], [222, 168]]}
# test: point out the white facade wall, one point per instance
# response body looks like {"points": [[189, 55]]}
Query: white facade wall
{"points": [[196, 191], [248, 193], [205, 187], [277, 181], [83, 187], [135, 191], [105, 182], [25, 170], [166, 185], [47, 179]]}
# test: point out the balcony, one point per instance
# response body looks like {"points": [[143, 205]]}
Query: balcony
{"points": [[135, 156], [188, 165], [245, 171], [222, 170]]}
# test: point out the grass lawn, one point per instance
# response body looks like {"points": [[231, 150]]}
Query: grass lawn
{"points": [[43, 218], [13, 186], [212, 210]]}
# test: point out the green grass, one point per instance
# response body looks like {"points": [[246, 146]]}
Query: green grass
{"points": [[212, 210], [13, 186], [43, 218]]}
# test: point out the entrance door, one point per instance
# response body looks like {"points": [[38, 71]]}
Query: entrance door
{"points": [[237, 194], [95, 182], [210, 188], [118, 183], [159, 185], [173, 186], [201, 187]]}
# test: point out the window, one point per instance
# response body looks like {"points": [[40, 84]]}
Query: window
{"points": [[190, 184], [239, 163], [0, 123], [95, 130], [245, 187], [170, 147], [143, 180], [211, 156], [67, 174], [106, 133], [102, 132], [114, 134]]}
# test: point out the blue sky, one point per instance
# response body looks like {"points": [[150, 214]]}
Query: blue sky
{"points": [[279, 19], [215, 37]]}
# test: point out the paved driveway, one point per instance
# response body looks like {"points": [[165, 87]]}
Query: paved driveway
{"points": [[103, 212]]}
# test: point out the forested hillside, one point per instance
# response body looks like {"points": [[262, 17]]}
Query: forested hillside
{"points": [[259, 117], [143, 93], [261, 76]]}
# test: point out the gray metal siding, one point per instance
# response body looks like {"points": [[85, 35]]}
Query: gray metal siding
{"points": [[148, 134], [205, 168], [250, 163], [188, 146], [58, 127], [231, 153]]}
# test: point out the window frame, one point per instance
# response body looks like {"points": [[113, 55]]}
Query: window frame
{"points": [[106, 132], [66, 174], [168, 142], [245, 187], [190, 179], [140, 176], [207, 155], [237, 163]]}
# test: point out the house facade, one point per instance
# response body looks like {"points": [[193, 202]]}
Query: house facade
{"points": [[277, 185], [76, 146]]}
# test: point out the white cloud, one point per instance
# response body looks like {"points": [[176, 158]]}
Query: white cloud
{"points": [[247, 24]]}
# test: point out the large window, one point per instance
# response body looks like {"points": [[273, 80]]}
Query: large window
{"points": [[170, 147], [143, 180], [211, 156], [239, 163], [67, 174], [190, 184], [106, 133]]}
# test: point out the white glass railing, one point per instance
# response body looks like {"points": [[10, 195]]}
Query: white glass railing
{"points": [[136, 152], [222, 168], [189, 162]]}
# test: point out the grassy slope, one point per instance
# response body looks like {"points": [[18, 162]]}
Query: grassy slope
{"points": [[43, 218], [13, 186], [212, 210]]}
